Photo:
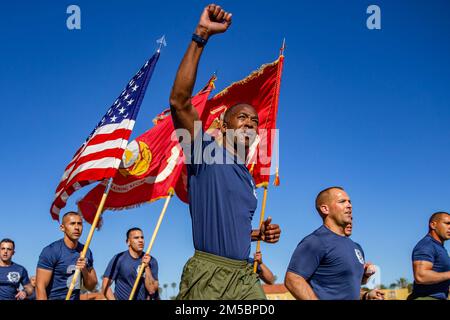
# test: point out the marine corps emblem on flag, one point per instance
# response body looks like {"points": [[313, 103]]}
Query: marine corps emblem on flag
{"points": [[136, 159]]}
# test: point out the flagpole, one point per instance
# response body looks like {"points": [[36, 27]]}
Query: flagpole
{"points": [[162, 42], [155, 232], [89, 238], [277, 179], [283, 46], [261, 219]]}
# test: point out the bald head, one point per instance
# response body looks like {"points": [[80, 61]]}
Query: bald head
{"points": [[235, 109], [325, 197]]}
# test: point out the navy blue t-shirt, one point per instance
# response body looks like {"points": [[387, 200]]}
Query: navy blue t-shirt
{"points": [[332, 264], [61, 260], [11, 277], [123, 269], [428, 249], [222, 201]]}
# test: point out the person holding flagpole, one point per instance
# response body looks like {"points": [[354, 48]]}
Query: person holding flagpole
{"points": [[123, 270], [221, 190], [59, 260], [263, 271]]}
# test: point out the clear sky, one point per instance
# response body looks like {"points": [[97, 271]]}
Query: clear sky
{"points": [[368, 110]]}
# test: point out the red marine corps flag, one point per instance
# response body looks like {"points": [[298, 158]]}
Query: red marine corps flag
{"points": [[150, 168], [261, 90]]}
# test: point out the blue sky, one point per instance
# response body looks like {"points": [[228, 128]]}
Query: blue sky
{"points": [[368, 110]]}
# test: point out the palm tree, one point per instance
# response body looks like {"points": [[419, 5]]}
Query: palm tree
{"points": [[410, 287], [165, 285], [173, 285], [402, 283]]}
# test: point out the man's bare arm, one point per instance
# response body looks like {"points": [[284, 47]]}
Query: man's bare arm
{"points": [[89, 278], [28, 288], [43, 278], [423, 273], [150, 283], [213, 20], [106, 289], [299, 287], [266, 274], [88, 274]]}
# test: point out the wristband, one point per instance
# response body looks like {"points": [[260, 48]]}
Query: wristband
{"points": [[199, 40]]}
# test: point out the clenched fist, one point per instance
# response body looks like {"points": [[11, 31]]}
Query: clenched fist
{"points": [[213, 20], [270, 233]]}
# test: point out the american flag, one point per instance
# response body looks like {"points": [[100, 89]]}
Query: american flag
{"points": [[100, 155]]}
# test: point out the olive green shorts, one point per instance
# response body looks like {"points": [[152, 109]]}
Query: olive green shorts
{"points": [[210, 277], [422, 298]]}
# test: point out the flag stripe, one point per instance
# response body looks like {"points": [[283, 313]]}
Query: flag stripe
{"points": [[102, 163], [100, 155], [117, 152], [100, 138], [110, 128], [111, 144]]}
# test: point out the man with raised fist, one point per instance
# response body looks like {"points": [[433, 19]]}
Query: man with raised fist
{"points": [[222, 194]]}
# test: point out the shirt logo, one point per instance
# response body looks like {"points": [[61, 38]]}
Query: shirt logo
{"points": [[137, 271], [13, 277], [359, 256], [71, 271]]}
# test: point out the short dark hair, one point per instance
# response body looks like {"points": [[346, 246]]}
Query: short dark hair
{"points": [[323, 195], [7, 240], [436, 216], [70, 213], [131, 230]]}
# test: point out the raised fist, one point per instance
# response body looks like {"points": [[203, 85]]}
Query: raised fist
{"points": [[213, 20]]}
